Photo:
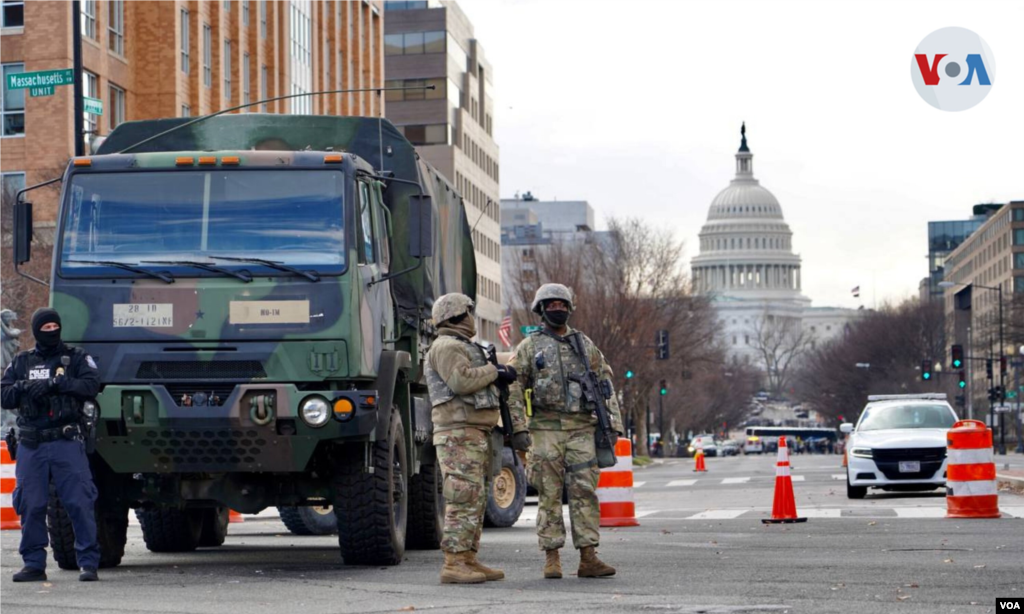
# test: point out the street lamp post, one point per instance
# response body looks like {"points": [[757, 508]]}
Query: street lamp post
{"points": [[1001, 448]]}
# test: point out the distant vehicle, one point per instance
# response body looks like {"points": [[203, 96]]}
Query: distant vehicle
{"points": [[729, 448], [899, 444], [704, 442], [753, 445]]}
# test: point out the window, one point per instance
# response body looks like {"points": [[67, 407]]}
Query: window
{"points": [[245, 12], [186, 111], [366, 252], [1018, 284], [1018, 236], [1018, 215], [184, 41], [245, 79], [227, 5], [14, 14], [116, 114], [14, 103], [11, 183], [115, 26], [89, 18], [90, 88], [263, 88], [207, 52], [414, 43], [438, 93], [227, 71], [263, 18]]}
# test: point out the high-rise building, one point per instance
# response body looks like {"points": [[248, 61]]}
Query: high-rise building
{"points": [[431, 44], [943, 238], [180, 58]]}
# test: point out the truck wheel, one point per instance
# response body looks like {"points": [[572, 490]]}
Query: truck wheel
{"points": [[171, 530], [507, 494], [371, 508], [111, 533], [311, 520], [855, 492], [426, 509], [215, 527]]}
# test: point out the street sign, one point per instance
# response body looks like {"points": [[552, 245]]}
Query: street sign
{"points": [[526, 330], [46, 90], [40, 78], [1001, 409], [92, 105]]}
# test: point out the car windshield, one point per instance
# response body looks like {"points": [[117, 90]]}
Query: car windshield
{"points": [[293, 217], [906, 417]]}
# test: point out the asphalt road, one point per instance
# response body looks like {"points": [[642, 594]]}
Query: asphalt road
{"points": [[700, 548]]}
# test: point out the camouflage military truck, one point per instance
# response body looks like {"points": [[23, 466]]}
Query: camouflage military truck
{"points": [[256, 292]]}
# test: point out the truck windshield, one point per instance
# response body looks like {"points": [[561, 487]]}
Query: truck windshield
{"points": [[292, 217], [907, 417]]}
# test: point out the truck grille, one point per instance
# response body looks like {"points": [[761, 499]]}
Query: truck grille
{"points": [[888, 461], [201, 450], [248, 370]]}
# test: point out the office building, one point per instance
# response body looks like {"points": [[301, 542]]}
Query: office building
{"points": [[432, 45]]}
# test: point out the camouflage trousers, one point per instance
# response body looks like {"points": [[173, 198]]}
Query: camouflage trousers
{"points": [[464, 456], [565, 457]]}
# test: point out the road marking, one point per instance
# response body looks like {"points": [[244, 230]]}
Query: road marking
{"points": [[718, 515], [638, 484], [1017, 512], [735, 480], [682, 482], [798, 478], [920, 512], [819, 513], [838, 476], [646, 513]]}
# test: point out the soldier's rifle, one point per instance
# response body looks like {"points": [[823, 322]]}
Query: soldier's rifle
{"points": [[491, 352], [595, 394]]}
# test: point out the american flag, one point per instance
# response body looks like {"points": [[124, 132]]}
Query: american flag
{"points": [[856, 292], [505, 330]]}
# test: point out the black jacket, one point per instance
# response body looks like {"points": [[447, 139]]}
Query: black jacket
{"points": [[81, 382]]}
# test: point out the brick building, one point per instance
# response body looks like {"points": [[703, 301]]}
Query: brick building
{"points": [[149, 59]]}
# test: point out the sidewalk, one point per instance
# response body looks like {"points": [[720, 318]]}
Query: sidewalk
{"points": [[1012, 479]]}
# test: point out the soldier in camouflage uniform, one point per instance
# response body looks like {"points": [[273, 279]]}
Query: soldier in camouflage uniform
{"points": [[563, 432], [465, 412]]}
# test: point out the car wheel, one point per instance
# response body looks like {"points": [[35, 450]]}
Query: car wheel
{"points": [[855, 492]]}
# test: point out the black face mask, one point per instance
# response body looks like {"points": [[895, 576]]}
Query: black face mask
{"points": [[556, 318], [48, 340]]}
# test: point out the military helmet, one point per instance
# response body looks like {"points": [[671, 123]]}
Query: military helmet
{"points": [[450, 306], [549, 292]]}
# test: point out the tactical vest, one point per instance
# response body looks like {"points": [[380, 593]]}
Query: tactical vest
{"points": [[56, 409], [552, 390], [440, 393]]}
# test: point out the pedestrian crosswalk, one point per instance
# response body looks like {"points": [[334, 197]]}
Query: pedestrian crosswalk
{"points": [[849, 513], [764, 480]]}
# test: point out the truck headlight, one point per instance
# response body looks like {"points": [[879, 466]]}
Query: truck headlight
{"points": [[861, 452], [90, 409], [315, 411]]}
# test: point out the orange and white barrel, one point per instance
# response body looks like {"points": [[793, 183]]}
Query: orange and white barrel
{"points": [[970, 472], [615, 489], [234, 517], [8, 517]]}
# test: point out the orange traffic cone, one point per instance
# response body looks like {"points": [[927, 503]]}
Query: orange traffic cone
{"points": [[784, 508], [8, 517], [234, 516], [698, 457], [845, 462]]}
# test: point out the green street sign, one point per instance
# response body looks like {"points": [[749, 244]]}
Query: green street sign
{"points": [[46, 90], [40, 78], [93, 105], [526, 330]]}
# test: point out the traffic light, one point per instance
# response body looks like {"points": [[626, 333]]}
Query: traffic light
{"points": [[926, 370], [662, 342], [664, 388], [962, 379], [629, 374], [988, 368], [1002, 364], [958, 356]]}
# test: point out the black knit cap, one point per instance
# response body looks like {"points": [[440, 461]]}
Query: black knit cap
{"points": [[44, 315]]}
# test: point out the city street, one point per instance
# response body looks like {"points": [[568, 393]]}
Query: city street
{"points": [[700, 548]]}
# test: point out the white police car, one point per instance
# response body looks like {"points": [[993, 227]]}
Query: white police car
{"points": [[899, 444]]}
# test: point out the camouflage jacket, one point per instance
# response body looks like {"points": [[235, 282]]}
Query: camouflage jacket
{"points": [[555, 400], [461, 384]]}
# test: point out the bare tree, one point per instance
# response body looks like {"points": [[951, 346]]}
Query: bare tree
{"points": [[780, 342]]}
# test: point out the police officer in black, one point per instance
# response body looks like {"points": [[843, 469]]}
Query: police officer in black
{"points": [[48, 387]]}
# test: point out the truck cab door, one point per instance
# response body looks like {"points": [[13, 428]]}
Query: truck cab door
{"points": [[375, 308]]}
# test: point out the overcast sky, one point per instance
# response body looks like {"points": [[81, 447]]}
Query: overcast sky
{"points": [[636, 107]]}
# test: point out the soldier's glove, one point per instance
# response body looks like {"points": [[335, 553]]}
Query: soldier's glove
{"points": [[522, 441], [507, 374], [37, 389]]}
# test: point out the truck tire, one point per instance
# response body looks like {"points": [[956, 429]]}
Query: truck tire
{"points": [[372, 508], [215, 527], [111, 533], [309, 520], [426, 509], [171, 530], [507, 494]]}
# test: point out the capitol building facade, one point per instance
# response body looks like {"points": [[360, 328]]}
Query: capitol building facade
{"points": [[747, 266]]}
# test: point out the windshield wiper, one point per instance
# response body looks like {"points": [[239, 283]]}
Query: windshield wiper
{"points": [[206, 266], [162, 276], [311, 276]]}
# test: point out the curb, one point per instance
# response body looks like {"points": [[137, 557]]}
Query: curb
{"points": [[1010, 481]]}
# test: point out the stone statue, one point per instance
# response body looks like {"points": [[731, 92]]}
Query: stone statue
{"points": [[8, 348]]}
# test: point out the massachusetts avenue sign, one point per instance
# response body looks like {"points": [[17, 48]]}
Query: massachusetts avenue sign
{"points": [[42, 78]]}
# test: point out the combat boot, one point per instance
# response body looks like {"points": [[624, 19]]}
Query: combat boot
{"points": [[456, 571], [552, 565], [591, 566], [30, 574], [475, 565]]}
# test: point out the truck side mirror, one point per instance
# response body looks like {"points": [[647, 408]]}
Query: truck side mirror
{"points": [[22, 232], [421, 226]]}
